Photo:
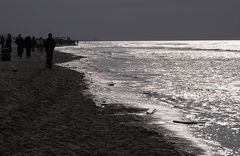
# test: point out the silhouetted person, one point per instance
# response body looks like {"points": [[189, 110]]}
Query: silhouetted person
{"points": [[49, 45], [2, 40], [28, 46], [33, 43], [20, 45], [9, 43], [7, 48]]}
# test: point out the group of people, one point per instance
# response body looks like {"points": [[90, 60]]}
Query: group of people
{"points": [[29, 44]]}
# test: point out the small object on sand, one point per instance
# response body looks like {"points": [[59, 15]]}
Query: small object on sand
{"points": [[82, 57], [178, 107], [187, 122], [151, 111], [111, 84], [146, 92], [104, 105]]}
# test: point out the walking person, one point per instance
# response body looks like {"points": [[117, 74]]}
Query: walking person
{"points": [[9, 43], [20, 45], [9, 46], [2, 40], [49, 45], [28, 46]]}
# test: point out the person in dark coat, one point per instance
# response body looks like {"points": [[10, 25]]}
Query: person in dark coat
{"points": [[9, 43], [2, 40], [7, 49], [49, 45], [34, 42], [28, 46], [20, 45]]}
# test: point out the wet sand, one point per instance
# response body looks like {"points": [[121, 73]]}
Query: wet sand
{"points": [[44, 112]]}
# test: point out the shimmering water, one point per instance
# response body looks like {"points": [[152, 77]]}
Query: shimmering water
{"points": [[183, 80]]}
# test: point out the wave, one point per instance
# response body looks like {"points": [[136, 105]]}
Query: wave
{"points": [[223, 46]]}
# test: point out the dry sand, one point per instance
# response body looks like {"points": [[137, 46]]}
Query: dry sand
{"points": [[44, 112]]}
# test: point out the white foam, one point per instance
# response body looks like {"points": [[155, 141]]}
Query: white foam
{"points": [[99, 80]]}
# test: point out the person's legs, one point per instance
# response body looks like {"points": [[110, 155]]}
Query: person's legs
{"points": [[50, 60], [9, 54], [47, 61], [18, 51], [21, 51], [28, 52]]}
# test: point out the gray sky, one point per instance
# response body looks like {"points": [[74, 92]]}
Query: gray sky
{"points": [[123, 19]]}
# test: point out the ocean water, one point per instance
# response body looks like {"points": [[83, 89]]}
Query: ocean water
{"points": [[182, 80]]}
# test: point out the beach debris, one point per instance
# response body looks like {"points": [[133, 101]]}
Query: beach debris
{"points": [[82, 57], [101, 105], [147, 92], [151, 111], [188, 122], [111, 84], [178, 107], [104, 102], [73, 67]]}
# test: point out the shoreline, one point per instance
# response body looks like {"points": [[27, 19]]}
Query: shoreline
{"points": [[44, 112]]}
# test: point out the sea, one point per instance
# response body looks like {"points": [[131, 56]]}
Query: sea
{"points": [[195, 81]]}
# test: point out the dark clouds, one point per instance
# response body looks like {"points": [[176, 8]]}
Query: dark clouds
{"points": [[123, 19]]}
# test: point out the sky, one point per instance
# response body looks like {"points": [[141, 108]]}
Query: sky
{"points": [[123, 19]]}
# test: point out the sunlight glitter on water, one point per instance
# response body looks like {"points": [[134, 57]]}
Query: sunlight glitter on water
{"points": [[196, 80]]}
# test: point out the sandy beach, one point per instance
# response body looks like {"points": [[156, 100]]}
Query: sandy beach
{"points": [[44, 112]]}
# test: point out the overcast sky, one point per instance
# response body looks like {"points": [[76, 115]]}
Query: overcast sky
{"points": [[123, 19]]}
